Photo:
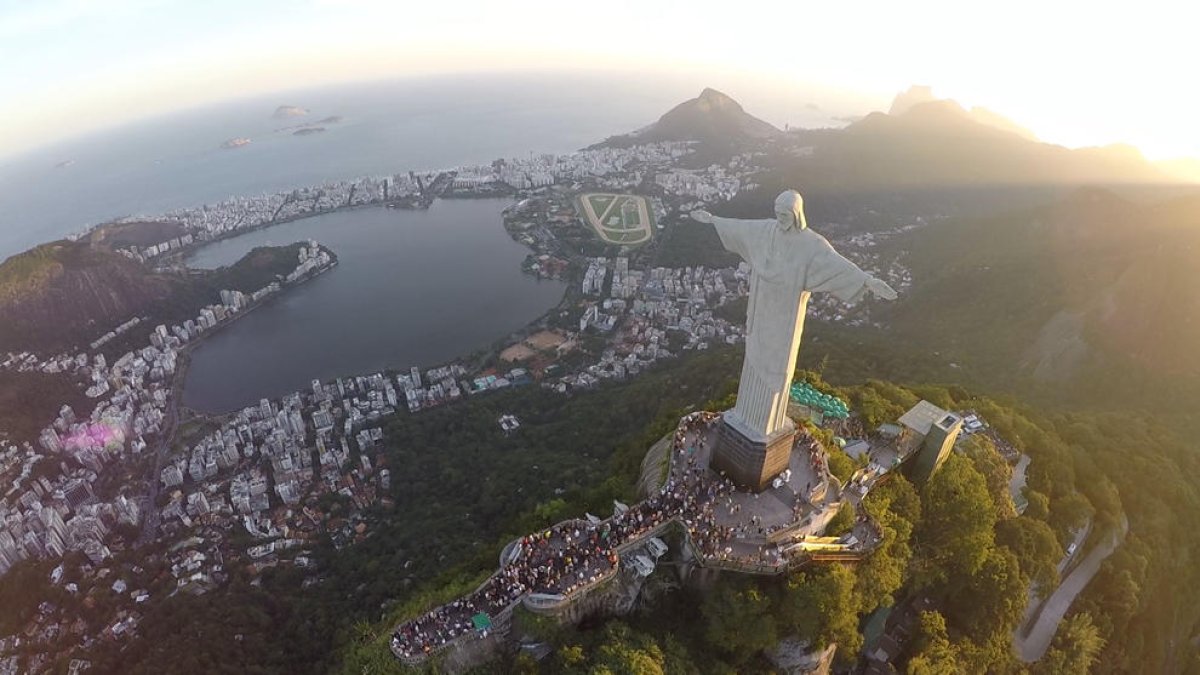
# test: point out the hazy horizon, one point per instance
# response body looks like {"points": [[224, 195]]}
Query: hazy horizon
{"points": [[829, 106], [75, 67]]}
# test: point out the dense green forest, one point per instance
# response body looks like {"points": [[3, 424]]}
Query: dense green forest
{"points": [[30, 400]]}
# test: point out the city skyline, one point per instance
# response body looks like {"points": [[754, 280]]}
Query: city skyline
{"points": [[74, 67]]}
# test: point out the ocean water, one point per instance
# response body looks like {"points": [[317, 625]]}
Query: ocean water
{"points": [[174, 161], [177, 161]]}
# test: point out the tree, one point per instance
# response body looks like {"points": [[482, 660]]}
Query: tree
{"points": [[617, 649], [883, 572], [933, 654], [991, 655], [957, 516], [993, 599], [737, 618], [1038, 504], [1036, 547], [897, 495], [842, 521], [1068, 513], [822, 607], [997, 473], [569, 657], [840, 464], [1075, 649]]}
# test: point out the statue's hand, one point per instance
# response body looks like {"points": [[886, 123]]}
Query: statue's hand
{"points": [[702, 216], [881, 289]]}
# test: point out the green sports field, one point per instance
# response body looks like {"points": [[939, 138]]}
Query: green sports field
{"points": [[618, 219]]}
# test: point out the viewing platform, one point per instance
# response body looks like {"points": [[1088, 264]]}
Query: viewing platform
{"points": [[580, 566]]}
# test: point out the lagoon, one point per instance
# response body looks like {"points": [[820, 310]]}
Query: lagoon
{"points": [[412, 288]]}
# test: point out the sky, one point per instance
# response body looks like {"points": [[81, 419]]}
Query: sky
{"points": [[1076, 73]]}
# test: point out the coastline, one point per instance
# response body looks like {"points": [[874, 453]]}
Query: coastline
{"points": [[185, 354], [179, 257], [178, 413], [473, 359]]}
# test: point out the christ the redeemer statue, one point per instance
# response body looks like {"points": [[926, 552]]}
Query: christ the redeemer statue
{"points": [[788, 263]]}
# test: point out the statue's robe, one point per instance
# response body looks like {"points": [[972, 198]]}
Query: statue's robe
{"points": [[786, 267]]}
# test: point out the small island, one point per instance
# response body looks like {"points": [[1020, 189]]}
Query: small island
{"points": [[238, 142], [286, 111], [311, 124], [305, 131]]}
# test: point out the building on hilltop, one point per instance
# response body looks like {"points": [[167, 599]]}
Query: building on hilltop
{"points": [[939, 430]]}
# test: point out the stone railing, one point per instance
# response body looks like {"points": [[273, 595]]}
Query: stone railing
{"points": [[545, 603]]}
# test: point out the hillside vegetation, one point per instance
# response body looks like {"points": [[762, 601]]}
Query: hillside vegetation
{"points": [[66, 294], [61, 296], [29, 400], [1093, 293]]}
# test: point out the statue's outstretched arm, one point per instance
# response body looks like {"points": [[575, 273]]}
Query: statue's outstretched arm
{"points": [[831, 272], [736, 234]]}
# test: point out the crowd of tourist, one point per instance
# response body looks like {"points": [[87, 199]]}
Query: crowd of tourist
{"points": [[688, 435], [572, 555], [575, 555], [816, 454]]}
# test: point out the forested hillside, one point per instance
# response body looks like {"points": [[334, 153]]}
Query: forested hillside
{"points": [[1093, 294], [66, 294]]}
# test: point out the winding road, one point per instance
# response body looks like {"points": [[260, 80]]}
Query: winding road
{"points": [[1033, 639]]}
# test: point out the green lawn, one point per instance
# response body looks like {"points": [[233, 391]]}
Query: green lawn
{"points": [[599, 203], [633, 219], [611, 221]]}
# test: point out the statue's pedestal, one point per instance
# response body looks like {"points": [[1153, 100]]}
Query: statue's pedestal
{"points": [[750, 461]]}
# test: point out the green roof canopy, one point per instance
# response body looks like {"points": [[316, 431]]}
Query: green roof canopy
{"points": [[804, 394], [482, 621]]}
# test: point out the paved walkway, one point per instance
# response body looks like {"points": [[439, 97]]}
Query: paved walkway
{"points": [[1032, 640]]}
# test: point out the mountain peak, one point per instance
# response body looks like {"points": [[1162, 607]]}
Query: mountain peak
{"points": [[914, 95], [712, 117], [918, 101], [712, 96]]}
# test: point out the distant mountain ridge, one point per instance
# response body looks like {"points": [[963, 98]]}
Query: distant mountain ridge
{"points": [[922, 142], [712, 117], [1061, 293], [939, 144], [919, 95]]}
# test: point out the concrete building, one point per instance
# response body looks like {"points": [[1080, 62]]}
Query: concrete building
{"points": [[937, 430]]}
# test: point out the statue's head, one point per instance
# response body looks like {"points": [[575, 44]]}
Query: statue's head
{"points": [[789, 210]]}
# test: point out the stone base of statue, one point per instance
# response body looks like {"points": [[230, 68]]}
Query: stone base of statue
{"points": [[750, 460]]}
